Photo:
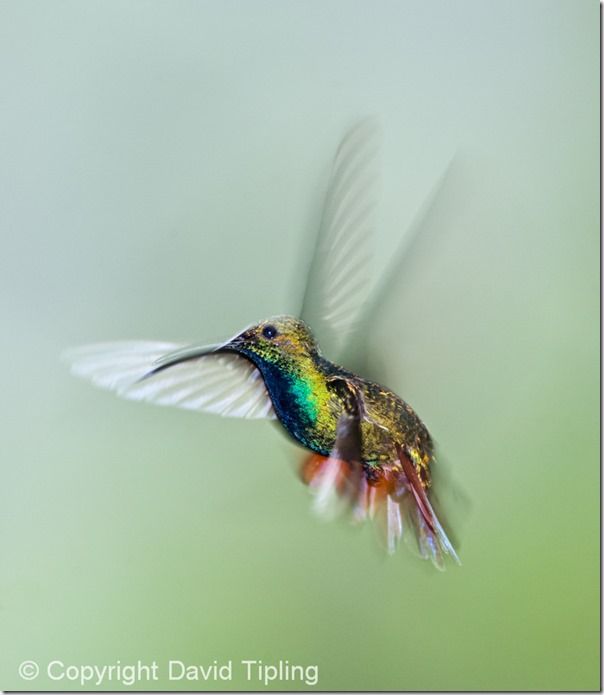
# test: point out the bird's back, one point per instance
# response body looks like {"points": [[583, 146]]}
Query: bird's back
{"points": [[389, 421], [386, 420]]}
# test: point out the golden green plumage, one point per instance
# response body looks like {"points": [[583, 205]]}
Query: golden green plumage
{"points": [[310, 394], [369, 447]]}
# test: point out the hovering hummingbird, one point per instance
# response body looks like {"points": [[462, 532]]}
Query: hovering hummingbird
{"points": [[369, 449]]}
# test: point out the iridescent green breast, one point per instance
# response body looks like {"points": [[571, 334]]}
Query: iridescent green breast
{"points": [[310, 394], [305, 404]]}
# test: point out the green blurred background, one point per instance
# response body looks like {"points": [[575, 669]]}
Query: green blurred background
{"points": [[162, 172]]}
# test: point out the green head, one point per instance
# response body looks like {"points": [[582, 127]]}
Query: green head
{"points": [[282, 342]]}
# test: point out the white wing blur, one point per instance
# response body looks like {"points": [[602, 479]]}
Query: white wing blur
{"points": [[223, 383], [339, 279]]}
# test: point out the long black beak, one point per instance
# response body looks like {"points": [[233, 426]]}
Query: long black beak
{"points": [[183, 355], [236, 343], [192, 352]]}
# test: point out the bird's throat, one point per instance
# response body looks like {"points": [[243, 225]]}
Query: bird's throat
{"points": [[300, 397]]}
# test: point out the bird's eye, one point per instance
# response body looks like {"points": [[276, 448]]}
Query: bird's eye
{"points": [[269, 332]]}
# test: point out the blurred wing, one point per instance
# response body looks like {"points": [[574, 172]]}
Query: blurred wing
{"points": [[195, 378], [422, 239], [395, 497], [339, 278], [334, 480]]}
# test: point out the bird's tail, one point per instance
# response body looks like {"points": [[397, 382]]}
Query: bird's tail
{"points": [[392, 495]]}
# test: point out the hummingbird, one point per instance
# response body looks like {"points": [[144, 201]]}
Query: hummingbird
{"points": [[368, 449]]}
